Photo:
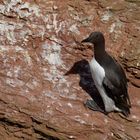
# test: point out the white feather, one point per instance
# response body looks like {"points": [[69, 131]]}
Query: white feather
{"points": [[98, 75]]}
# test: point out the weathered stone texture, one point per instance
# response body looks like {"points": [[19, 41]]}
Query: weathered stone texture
{"points": [[44, 74]]}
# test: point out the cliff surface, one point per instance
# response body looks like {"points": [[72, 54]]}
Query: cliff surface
{"points": [[44, 74]]}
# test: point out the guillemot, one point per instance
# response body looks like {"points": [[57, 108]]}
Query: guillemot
{"points": [[109, 78]]}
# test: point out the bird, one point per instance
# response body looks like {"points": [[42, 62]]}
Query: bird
{"points": [[109, 78]]}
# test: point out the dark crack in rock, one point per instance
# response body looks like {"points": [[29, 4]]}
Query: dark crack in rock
{"points": [[45, 78]]}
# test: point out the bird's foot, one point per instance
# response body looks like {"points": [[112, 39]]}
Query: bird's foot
{"points": [[91, 104]]}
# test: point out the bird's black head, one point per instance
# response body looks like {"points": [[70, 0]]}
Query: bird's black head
{"points": [[95, 38]]}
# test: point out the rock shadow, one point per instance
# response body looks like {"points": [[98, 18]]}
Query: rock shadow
{"points": [[86, 82]]}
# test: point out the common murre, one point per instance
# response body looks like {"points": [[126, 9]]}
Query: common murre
{"points": [[109, 78]]}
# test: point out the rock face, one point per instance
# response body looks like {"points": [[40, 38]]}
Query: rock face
{"points": [[44, 75]]}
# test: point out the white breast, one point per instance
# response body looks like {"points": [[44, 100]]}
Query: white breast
{"points": [[97, 72], [98, 75]]}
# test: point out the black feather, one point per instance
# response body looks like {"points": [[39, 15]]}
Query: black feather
{"points": [[115, 83]]}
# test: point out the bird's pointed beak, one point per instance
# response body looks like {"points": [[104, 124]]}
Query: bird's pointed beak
{"points": [[85, 40]]}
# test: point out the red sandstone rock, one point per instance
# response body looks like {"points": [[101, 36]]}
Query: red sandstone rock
{"points": [[44, 74]]}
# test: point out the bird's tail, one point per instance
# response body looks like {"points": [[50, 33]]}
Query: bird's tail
{"points": [[125, 107], [126, 111]]}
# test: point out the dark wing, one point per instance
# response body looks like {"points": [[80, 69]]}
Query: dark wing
{"points": [[115, 83]]}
